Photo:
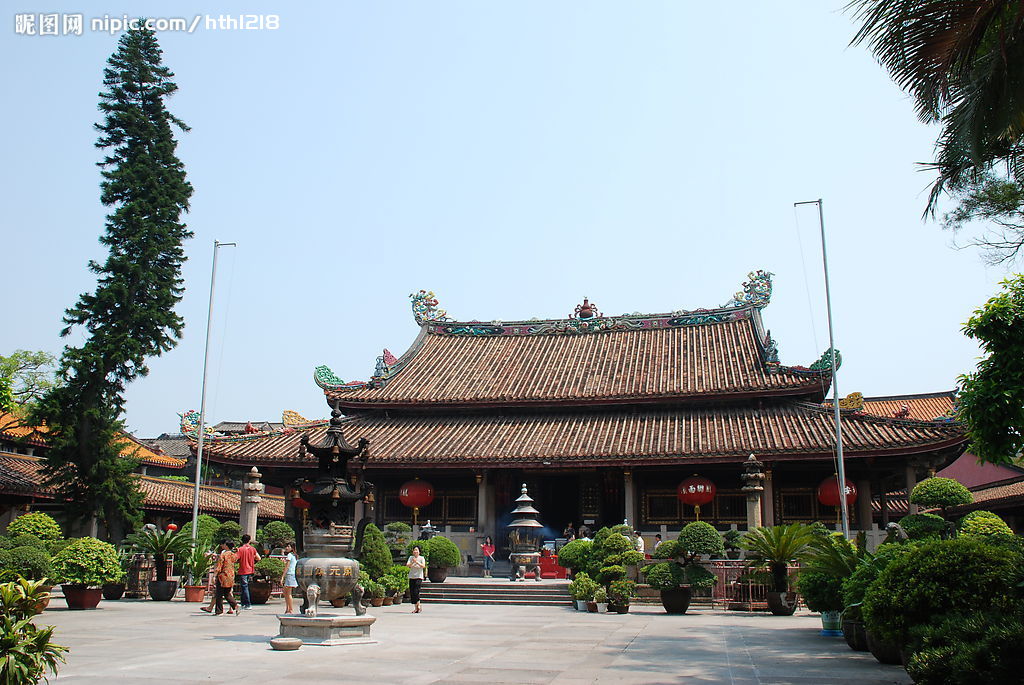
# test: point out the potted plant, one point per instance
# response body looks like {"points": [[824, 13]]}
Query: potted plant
{"points": [[619, 593], [267, 571], [375, 591], [442, 555], [396, 534], [601, 599], [196, 566], [675, 577], [25, 564], [161, 544], [822, 592], [401, 576], [731, 542], [115, 590], [28, 654], [82, 568], [582, 589], [392, 587], [775, 548]]}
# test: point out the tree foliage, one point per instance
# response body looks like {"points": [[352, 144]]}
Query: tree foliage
{"points": [[130, 315], [37, 523], [25, 376], [991, 400], [939, 493], [376, 556]]}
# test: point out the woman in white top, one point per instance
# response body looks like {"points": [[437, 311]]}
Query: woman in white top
{"points": [[417, 566]]}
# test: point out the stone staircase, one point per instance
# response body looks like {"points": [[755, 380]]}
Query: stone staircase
{"points": [[496, 591]]}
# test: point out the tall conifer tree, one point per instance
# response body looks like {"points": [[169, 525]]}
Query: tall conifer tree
{"points": [[130, 316]]}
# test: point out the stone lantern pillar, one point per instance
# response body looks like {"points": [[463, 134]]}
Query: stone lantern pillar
{"points": [[252, 488], [753, 487]]}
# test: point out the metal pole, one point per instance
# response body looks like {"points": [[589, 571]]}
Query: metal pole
{"points": [[841, 475], [202, 401]]}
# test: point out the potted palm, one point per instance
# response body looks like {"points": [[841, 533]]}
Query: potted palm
{"points": [[82, 568], [831, 561], [196, 566], [775, 548], [161, 544]]}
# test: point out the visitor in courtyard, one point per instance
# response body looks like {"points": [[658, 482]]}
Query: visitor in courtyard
{"points": [[247, 558], [639, 542], [584, 532], [657, 540], [487, 547], [288, 580], [225, 573], [417, 565], [569, 533]]}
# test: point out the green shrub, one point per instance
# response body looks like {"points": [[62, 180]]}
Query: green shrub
{"points": [[401, 574], [28, 540], [443, 553], [622, 529], [278, 533], [396, 534], [984, 526], [26, 653], [55, 546], [36, 523], [966, 650], [390, 584], [582, 587], [31, 563], [669, 549], [609, 574], [698, 576], [616, 543], [923, 526], [621, 591], [668, 575], [964, 574], [575, 555], [376, 555], [631, 557], [939, 493], [6, 542], [854, 587], [600, 595], [821, 591], [229, 530], [87, 561], [208, 526], [700, 537], [270, 568]]}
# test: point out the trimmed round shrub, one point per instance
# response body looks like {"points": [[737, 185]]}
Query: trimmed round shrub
{"points": [[699, 537], [966, 650], [630, 558], [923, 526], [669, 549], [87, 561], [984, 526], [277, 533], [667, 575], [939, 493], [270, 568], [443, 553], [229, 530], [55, 546], [609, 574], [208, 526], [575, 554], [43, 526], [855, 586], [821, 591], [28, 540], [31, 563], [698, 576], [965, 574], [616, 543], [375, 558]]}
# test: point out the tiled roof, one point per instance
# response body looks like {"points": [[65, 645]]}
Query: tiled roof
{"points": [[171, 444], [669, 364], [146, 454], [239, 426], [782, 430], [12, 428], [924, 407], [995, 496], [22, 475]]}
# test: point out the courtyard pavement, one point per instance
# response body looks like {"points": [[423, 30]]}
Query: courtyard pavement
{"points": [[153, 643]]}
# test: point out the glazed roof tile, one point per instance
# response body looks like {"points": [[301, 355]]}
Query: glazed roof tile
{"points": [[921, 407], [652, 364], [22, 475], [171, 444], [783, 430]]}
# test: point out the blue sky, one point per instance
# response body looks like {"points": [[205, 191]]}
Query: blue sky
{"points": [[513, 157]]}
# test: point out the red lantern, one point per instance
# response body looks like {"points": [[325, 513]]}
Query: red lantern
{"points": [[695, 491], [828, 492], [300, 503], [415, 494], [172, 527]]}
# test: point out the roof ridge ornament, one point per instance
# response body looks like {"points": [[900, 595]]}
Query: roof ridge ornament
{"points": [[424, 307], [585, 310], [757, 291]]}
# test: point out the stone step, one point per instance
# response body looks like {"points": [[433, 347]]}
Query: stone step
{"points": [[498, 602], [497, 592]]}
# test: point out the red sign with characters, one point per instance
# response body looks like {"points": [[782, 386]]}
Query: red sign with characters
{"points": [[695, 491]]}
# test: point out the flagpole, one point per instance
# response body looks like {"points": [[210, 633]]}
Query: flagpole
{"points": [[202, 402], [841, 471]]}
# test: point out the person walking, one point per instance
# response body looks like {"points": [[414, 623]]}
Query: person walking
{"points": [[288, 580], [247, 558], [487, 547], [417, 565], [225, 574]]}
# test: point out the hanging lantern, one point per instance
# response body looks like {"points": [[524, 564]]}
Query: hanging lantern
{"points": [[300, 503], [828, 492], [172, 527], [415, 494], [695, 491]]}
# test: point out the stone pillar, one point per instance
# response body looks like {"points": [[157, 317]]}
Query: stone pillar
{"points": [[753, 485], [911, 476], [883, 502], [483, 517], [629, 497], [252, 488], [358, 512], [864, 513], [768, 498]]}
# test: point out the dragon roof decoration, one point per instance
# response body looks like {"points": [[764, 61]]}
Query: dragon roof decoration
{"points": [[293, 422]]}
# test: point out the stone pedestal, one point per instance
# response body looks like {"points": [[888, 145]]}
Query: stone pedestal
{"points": [[327, 630]]}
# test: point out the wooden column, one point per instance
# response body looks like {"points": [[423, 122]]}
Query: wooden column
{"points": [[864, 515], [483, 518], [768, 498], [629, 499], [911, 481]]}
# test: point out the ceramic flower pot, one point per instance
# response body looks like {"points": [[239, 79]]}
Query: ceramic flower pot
{"points": [[591, 607], [676, 601], [437, 575], [82, 596], [259, 591], [782, 603], [162, 590], [831, 623], [195, 593], [884, 652], [113, 590]]}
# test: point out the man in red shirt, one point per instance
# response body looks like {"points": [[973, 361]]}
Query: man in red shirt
{"points": [[247, 558]]}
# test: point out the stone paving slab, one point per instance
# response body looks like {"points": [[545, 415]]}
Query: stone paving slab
{"points": [[153, 643]]}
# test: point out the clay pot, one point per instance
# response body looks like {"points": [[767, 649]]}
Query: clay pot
{"points": [[340, 602], [113, 590], [884, 652], [377, 601], [259, 591], [437, 575], [591, 607], [618, 608], [162, 590], [388, 601], [82, 596], [782, 603], [676, 601], [195, 593]]}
